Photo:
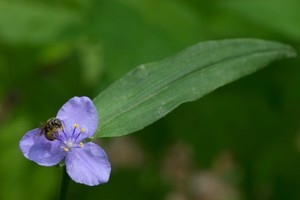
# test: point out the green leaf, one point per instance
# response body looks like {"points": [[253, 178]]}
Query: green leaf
{"points": [[148, 92]]}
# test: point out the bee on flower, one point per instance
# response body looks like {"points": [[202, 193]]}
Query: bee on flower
{"points": [[65, 140]]}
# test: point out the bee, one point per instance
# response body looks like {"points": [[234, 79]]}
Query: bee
{"points": [[50, 127]]}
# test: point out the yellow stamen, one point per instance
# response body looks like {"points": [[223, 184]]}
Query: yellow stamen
{"points": [[82, 130], [76, 125], [66, 149], [81, 144]]}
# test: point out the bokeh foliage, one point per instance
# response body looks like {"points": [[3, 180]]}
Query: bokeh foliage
{"points": [[53, 50]]}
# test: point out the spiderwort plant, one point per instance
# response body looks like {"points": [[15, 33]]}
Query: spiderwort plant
{"points": [[86, 162]]}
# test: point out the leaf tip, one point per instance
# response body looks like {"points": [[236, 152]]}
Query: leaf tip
{"points": [[291, 53]]}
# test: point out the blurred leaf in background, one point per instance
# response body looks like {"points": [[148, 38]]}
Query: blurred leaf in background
{"points": [[242, 140], [34, 23]]}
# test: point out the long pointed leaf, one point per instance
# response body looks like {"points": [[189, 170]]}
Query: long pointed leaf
{"points": [[150, 91]]}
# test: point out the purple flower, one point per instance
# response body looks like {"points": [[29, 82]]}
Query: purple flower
{"points": [[86, 162]]}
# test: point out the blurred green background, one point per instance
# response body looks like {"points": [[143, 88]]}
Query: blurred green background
{"points": [[240, 142]]}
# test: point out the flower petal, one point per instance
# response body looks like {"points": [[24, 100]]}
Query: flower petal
{"points": [[88, 165], [37, 148], [81, 111]]}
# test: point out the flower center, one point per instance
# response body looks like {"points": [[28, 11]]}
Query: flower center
{"points": [[72, 141], [69, 144]]}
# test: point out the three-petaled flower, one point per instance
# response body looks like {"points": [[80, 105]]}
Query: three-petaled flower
{"points": [[86, 162]]}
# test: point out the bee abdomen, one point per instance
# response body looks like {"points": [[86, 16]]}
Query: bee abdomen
{"points": [[51, 127]]}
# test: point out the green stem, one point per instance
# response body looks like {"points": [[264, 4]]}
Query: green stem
{"points": [[64, 185]]}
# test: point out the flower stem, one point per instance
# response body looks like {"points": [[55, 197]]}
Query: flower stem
{"points": [[64, 185]]}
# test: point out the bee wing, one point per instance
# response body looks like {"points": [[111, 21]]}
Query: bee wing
{"points": [[42, 128], [42, 131]]}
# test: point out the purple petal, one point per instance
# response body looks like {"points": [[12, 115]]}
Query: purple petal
{"points": [[88, 165], [37, 148], [81, 111]]}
